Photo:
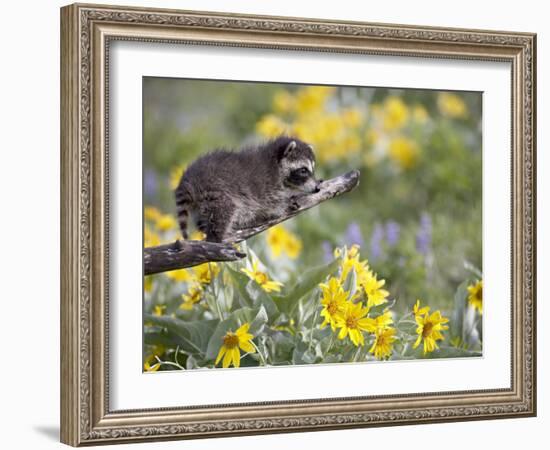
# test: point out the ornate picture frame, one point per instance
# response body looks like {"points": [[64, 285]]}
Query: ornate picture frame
{"points": [[87, 31]]}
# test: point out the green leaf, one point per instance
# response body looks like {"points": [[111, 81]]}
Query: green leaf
{"points": [[350, 284], [240, 282], [457, 318], [194, 335], [308, 281]]}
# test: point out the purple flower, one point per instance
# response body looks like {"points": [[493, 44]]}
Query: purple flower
{"points": [[353, 235], [150, 183], [376, 242], [424, 234], [328, 255], [392, 232]]}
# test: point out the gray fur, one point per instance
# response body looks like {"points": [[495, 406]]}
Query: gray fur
{"points": [[225, 190]]}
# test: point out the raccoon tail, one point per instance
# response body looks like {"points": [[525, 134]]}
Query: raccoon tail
{"points": [[183, 205]]}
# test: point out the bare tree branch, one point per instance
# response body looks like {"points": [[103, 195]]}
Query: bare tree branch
{"points": [[181, 254]]}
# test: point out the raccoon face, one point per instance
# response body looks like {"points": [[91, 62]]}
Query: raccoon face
{"points": [[297, 166]]}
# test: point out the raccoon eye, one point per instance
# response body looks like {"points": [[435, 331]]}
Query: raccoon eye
{"points": [[303, 171]]}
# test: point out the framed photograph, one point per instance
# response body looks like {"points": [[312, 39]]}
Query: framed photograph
{"points": [[276, 224]]}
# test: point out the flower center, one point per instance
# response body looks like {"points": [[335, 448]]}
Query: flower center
{"points": [[351, 322], [261, 278], [480, 294], [427, 329], [332, 307], [230, 340]]}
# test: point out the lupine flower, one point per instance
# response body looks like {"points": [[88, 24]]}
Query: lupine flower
{"points": [[424, 234], [353, 235], [376, 242], [475, 296], [150, 183], [392, 233], [327, 251], [231, 343]]}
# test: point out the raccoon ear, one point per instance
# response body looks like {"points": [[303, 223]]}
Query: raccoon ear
{"points": [[291, 146]]}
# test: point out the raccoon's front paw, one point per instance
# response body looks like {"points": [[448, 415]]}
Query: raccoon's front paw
{"points": [[294, 204]]}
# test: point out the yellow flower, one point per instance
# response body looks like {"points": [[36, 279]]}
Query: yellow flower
{"points": [[429, 330], [271, 126], [197, 236], [384, 320], [150, 238], [280, 240], [231, 344], [175, 176], [353, 322], [396, 113], [403, 152], [352, 117], [451, 105], [262, 278], [333, 301], [158, 310], [418, 311], [312, 98], [382, 346], [351, 261], [148, 283], [179, 275], [148, 365], [475, 297], [206, 272], [283, 102], [373, 289], [151, 213], [193, 296], [166, 222]]}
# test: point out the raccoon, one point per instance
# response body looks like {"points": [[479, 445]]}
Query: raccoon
{"points": [[224, 191]]}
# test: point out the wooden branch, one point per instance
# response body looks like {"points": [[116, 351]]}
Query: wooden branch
{"points": [[181, 254]]}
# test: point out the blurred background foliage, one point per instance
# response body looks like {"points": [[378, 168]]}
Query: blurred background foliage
{"points": [[417, 211]]}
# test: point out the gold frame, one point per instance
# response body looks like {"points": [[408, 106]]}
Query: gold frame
{"points": [[86, 31]]}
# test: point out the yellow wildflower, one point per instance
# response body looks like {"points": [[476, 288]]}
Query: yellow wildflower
{"points": [[420, 311], [231, 344], [352, 117], [333, 301], [193, 296], [197, 236], [158, 310], [206, 272], [166, 222], [150, 238], [353, 322], [403, 152], [148, 365], [312, 98], [475, 297], [382, 346], [262, 278], [384, 320], [151, 213], [283, 102], [175, 176], [396, 113], [351, 261], [280, 240], [148, 283], [451, 105], [429, 330], [373, 289], [271, 126], [179, 275]]}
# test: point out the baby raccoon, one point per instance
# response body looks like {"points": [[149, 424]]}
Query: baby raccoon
{"points": [[224, 191]]}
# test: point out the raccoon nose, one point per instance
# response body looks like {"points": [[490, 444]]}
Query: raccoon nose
{"points": [[318, 185]]}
